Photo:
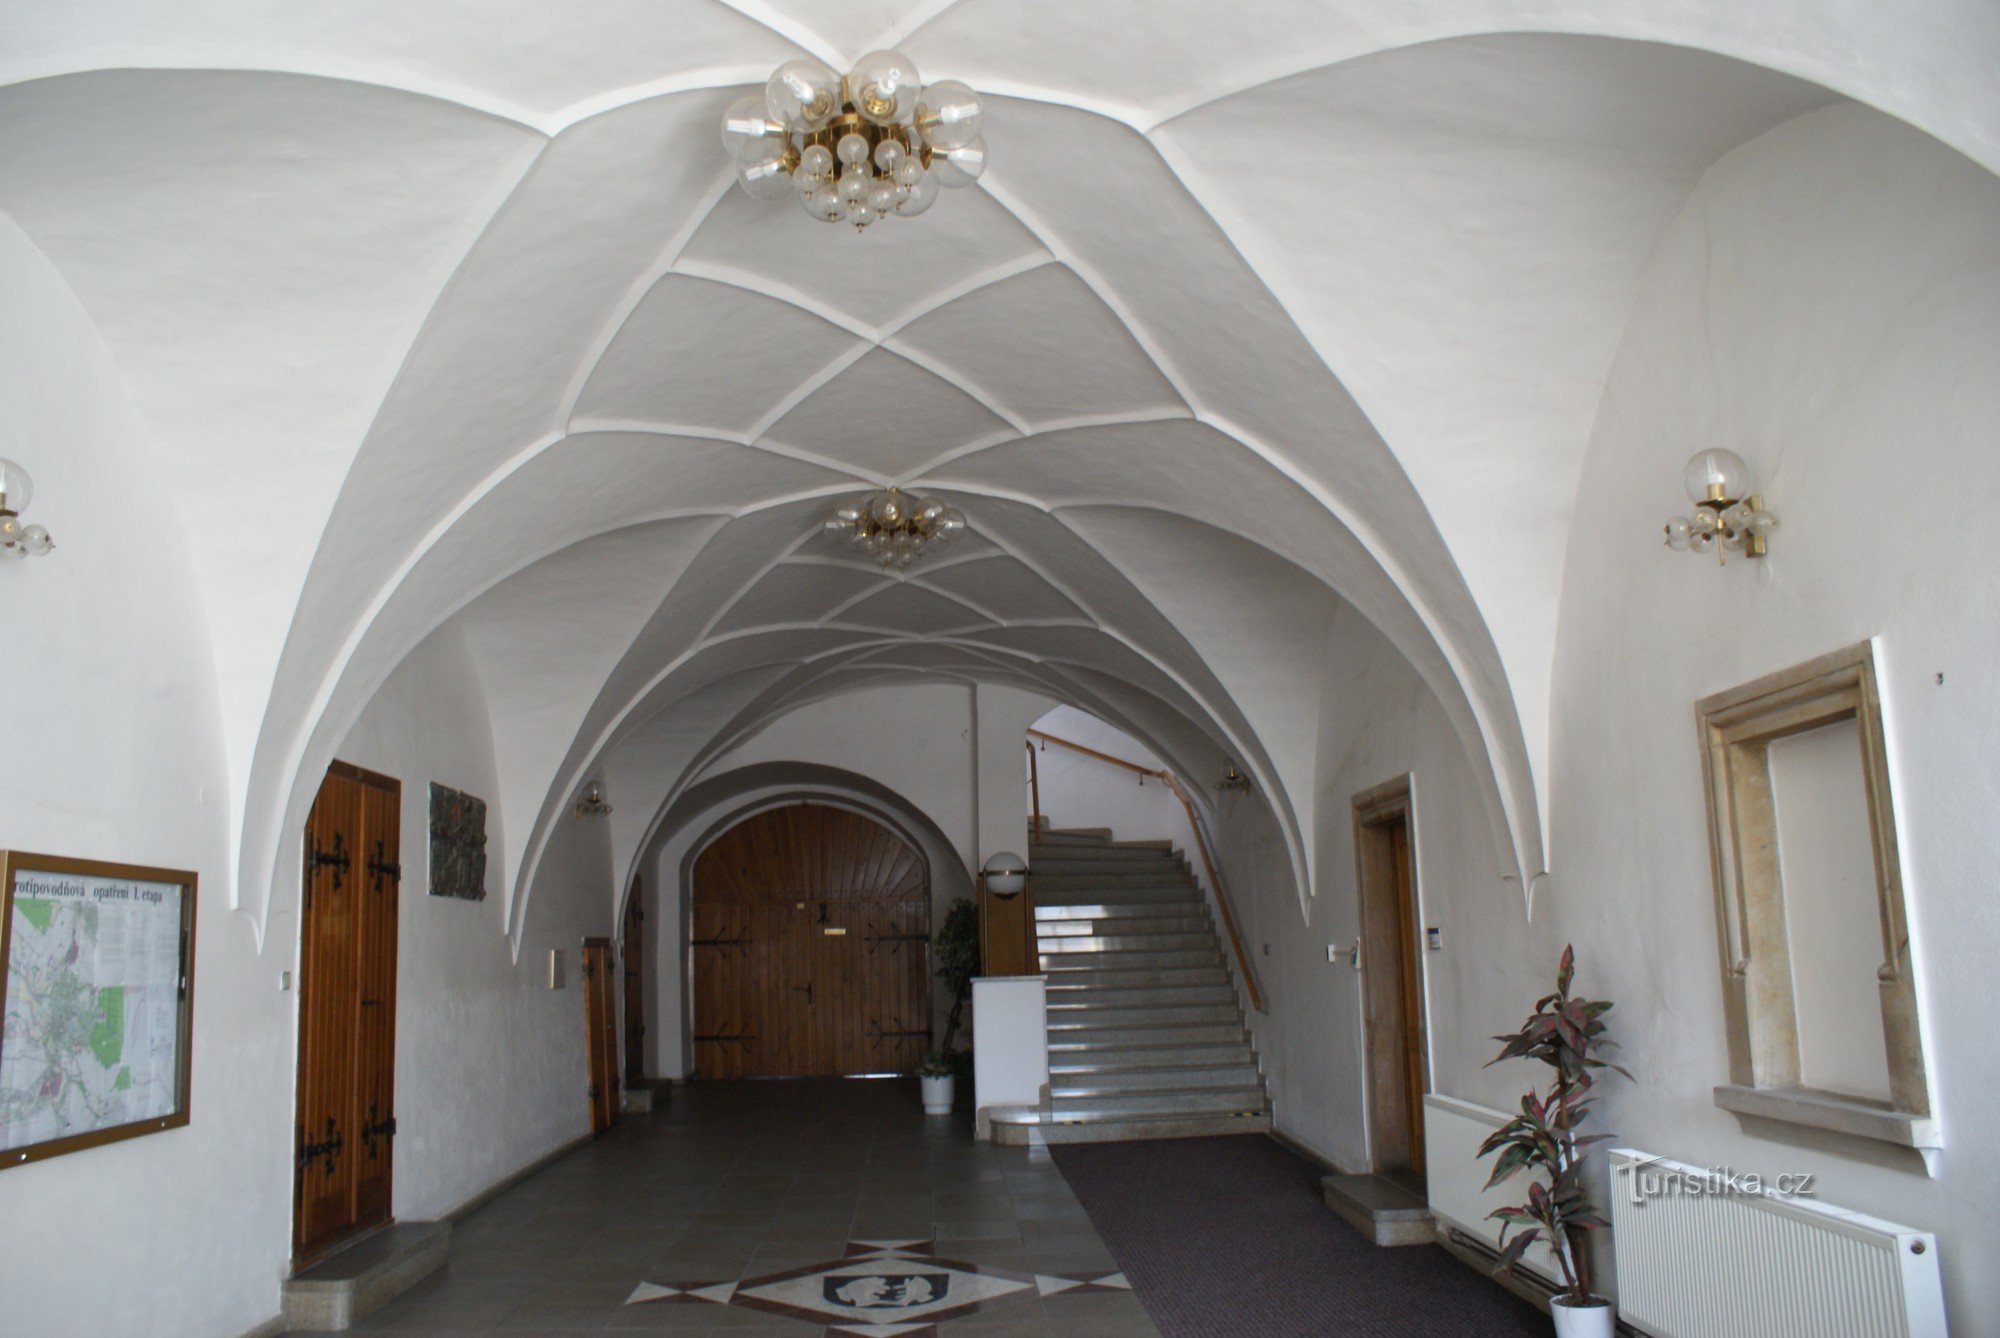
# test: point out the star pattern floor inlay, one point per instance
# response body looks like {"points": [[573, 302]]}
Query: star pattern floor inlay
{"points": [[888, 1288]]}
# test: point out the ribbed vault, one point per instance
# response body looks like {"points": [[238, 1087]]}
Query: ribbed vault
{"points": [[1257, 312]]}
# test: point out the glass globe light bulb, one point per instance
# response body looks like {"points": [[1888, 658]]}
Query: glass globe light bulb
{"points": [[1704, 522], [962, 166], [883, 86], [862, 214], [948, 115], [816, 160], [887, 508], [923, 194], [1736, 517], [35, 541], [1679, 531], [10, 534], [1716, 475], [889, 156], [853, 149], [951, 524], [909, 170], [749, 133], [853, 186], [1702, 541], [928, 515], [1762, 523], [882, 197], [16, 488], [765, 181], [802, 95], [837, 528]]}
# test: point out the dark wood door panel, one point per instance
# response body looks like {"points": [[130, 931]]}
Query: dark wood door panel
{"points": [[810, 945]]}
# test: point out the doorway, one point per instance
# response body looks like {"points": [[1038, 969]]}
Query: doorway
{"points": [[1398, 1063], [635, 986], [346, 1112], [600, 1020], [810, 929]]}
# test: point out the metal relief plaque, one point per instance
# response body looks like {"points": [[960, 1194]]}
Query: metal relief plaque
{"points": [[458, 844]]}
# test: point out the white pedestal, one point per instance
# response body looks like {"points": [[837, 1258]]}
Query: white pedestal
{"points": [[1010, 1043]]}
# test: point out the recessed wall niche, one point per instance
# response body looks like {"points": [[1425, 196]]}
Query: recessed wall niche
{"points": [[1818, 982]]}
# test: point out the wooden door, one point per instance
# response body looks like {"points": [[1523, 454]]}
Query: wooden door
{"points": [[634, 961], [810, 937], [1392, 964], [345, 1122], [600, 1034]]}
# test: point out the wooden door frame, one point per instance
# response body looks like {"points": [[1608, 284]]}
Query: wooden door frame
{"points": [[1376, 811], [357, 868], [631, 967]]}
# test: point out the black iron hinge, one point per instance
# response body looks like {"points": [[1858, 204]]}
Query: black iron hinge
{"points": [[328, 1147], [384, 1129], [382, 866], [336, 859]]}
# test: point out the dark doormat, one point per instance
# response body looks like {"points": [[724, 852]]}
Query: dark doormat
{"points": [[1225, 1237]]}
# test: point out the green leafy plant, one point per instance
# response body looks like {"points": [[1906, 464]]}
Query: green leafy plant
{"points": [[936, 1065], [956, 952], [1565, 1033]]}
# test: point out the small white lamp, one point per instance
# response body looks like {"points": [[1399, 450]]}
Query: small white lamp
{"points": [[1006, 874]]}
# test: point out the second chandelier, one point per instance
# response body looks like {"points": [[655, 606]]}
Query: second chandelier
{"points": [[856, 148]]}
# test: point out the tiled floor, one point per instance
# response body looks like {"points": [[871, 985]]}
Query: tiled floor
{"points": [[743, 1181]]}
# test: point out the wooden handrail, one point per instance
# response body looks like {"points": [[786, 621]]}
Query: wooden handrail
{"points": [[1201, 842], [1035, 792]]}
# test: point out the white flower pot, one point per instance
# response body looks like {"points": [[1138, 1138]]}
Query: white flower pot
{"points": [[937, 1093], [1599, 1319]]}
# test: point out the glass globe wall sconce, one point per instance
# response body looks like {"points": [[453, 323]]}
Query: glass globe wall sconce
{"points": [[1232, 779], [590, 804], [1006, 874], [894, 527], [859, 147], [1728, 515], [18, 540]]}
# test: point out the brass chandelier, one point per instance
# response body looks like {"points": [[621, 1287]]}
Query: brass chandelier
{"points": [[894, 527], [857, 148]]}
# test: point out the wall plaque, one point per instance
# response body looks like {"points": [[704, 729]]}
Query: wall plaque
{"points": [[458, 844], [97, 987]]}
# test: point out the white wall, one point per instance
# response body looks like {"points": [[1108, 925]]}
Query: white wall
{"points": [[490, 1070], [114, 752], [1828, 305], [1080, 791]]}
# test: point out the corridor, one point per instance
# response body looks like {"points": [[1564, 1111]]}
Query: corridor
{"points": [[827, 1206]]}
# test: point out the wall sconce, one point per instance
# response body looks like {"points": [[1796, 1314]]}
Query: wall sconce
{"points": [[1727, 513], [1232, 779], [16, 539], [590, 804]]}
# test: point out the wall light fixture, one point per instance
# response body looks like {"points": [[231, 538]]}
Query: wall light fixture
{"points": [[1728, 512], [16, 539]]}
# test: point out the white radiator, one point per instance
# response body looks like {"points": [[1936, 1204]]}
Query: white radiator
{"points": [[1702, 1264], [1456, 1177]]}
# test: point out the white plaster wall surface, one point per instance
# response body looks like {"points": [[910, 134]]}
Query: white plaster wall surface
{"points": [[114, 752], [1828, 305], [1080, 791], [477, 1032]]}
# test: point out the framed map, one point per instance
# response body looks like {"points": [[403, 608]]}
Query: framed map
{"points": [[97, 979]]}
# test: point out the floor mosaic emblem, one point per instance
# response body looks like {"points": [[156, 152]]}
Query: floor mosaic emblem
{"points": [[884, 1288]]}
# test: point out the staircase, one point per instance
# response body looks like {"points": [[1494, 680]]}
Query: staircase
{"points": [[1146, 1035]]}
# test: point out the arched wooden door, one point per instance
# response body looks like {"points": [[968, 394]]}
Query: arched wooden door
{"points": [[810, 939]]}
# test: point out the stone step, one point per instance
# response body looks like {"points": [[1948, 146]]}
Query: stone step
{"points": [[1115, 851], [1070, 1015], [1085, 1037], [1029, 1130], [1113, 1058], [1187, 1101], [1118, 910], [1240, 1076], [1110, 861], [1185, 922], [360, 1279], [1386, 1212], [1069, 882], [1059, 966], [1057, 944], [1079, 836], [1185, 893], [1136, 977], [1144, 996]]}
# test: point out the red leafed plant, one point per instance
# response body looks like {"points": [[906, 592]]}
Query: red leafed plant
{"points": [[1563, 1033]]}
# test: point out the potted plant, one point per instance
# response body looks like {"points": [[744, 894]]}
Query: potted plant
{"points": [[1564, 1033], [956, 951]]}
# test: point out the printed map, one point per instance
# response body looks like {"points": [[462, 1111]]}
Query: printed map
{"points": [[90, 1038]]}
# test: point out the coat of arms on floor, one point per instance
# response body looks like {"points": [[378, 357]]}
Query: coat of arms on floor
{"points": [[886, 1288]]}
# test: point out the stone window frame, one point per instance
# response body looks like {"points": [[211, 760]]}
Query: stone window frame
{"points": [[1737, 728]]}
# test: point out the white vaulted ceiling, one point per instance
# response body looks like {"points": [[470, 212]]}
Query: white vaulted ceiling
{"points": [[440, 309]]}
